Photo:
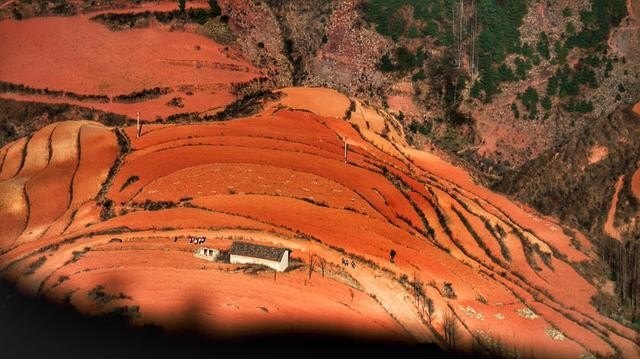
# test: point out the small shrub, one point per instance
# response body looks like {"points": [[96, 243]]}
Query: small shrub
{"points": [[107, 212], [176, 102], [76, 255], [131, 180], [480, 298], [447, 290], [100, 296], [33, 267]]}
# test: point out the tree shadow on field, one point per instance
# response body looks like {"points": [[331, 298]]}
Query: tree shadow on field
{"points": [[36, 328]]}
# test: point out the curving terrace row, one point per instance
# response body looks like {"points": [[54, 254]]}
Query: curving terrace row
{"points": [[505, 274], [47, 178]]}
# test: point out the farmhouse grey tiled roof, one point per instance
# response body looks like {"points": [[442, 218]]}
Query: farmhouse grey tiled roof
{"points": [[257, 251]]}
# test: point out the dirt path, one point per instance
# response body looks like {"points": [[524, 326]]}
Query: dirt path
{"points": [[631, 9], [7, 4], [609, 226], [635, 183]]}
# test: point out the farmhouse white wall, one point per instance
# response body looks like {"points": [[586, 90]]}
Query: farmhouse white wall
{"points": [[209, 254]]}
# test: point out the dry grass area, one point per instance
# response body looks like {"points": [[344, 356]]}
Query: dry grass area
{"points": [[280, 178], [597, 154]]}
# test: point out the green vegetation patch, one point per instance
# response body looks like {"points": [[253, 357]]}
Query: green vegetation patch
{"points": [[597, 22]]}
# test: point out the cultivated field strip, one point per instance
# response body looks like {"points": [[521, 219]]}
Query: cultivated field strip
{"points": [[41, 197], [465, 234], [280, 178], [13, 158]]}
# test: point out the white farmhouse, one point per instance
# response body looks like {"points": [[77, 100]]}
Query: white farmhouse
{"points": [[209, 254], [247, 253]]}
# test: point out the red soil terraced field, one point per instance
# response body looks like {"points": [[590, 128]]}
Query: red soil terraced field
{"points": [[609, 225], [501, 272], [636, 109], [635, 183], [84, 57]]}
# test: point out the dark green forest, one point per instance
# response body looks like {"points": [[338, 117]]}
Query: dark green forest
{"points": [[488, 31]]}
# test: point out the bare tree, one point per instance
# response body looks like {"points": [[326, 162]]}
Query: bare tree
{"points": [[461, 35], [312, 261], [323, 264], [450, 329], [447, 290], [418, 291], [429, 309]]}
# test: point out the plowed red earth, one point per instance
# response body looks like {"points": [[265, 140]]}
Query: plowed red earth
{"points": [[84, 57], [280, 178], [635, 183], [609, 225]]}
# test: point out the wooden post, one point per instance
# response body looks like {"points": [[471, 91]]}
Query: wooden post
{"points": [[346, 149]]}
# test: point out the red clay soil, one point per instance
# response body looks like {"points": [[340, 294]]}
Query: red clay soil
{"points": [[609, 225], [401, 99], [228, 303], [279, 178], [252, 179], [635, 184], [12, 158], [321, 101], [84, 57], [37, 152], [13, 195], [55, 178], [545, 228], [14, 212], [150, 109], [597, 154], [51, 166], [99, 152], [90, 59]]}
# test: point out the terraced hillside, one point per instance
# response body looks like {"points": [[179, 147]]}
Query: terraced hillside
{"points": [[99, 219], [148, 69]]}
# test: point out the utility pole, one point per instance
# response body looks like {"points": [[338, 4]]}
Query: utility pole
{"points": [[346, 148], [461, 34], [453, 21], [138, 127], [473, 40], [476, 31]]}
